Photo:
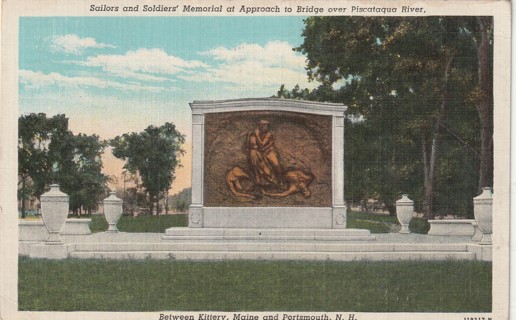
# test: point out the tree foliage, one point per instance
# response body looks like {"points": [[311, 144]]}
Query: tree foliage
{"points": [[40, 146], [153, 155], [82, 176], [49, 153], [419, 93]]}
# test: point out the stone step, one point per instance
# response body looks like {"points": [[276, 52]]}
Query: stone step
{"points": [[268, 234], [272, 238], [275, 255], [264, 231], [232, 246]]}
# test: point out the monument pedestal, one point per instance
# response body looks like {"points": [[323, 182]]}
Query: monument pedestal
{"points": [[271, 217], [267, 163], [267, 173], [268, 234]]}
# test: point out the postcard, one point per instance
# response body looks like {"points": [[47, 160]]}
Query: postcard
{"points": [[255, 160]]}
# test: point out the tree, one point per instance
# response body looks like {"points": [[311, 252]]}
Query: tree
{"points": [[134, 199], [82, 178], [153, 154], [483, 38], [404, 77], [25, 190], [49, 153], [39, 147], [182, 200]]}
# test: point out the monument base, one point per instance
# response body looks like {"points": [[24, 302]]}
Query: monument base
{"points": [[268, 234], [270, 217]]}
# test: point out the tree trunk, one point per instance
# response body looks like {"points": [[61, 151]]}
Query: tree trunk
{"points": [[23, 208], [166, 201], [430, 160], [151, 204], [427, 201], [485, 106], [425, 167], [430, 175], [158, 208]]}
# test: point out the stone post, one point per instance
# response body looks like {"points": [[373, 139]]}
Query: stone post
{"points": [[54, 211], [404, 211], [112, 211], [483, 209], [196, 214], [339, 204]]}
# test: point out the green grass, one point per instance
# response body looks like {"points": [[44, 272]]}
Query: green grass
{"points": [[373, 226], [140, 224], [382, 223], [152, 285], [376, 223]]}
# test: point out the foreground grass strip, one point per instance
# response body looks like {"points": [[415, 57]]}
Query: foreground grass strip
{"points": [[153, 285], [376, 223]]}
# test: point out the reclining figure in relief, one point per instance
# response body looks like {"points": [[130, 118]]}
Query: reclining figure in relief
{"points": [[266, 175]]}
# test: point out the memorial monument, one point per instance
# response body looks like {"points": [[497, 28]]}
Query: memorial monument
{"points": [[265, 164]]}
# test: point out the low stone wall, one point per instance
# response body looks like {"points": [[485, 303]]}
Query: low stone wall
{"points": [[74, 226], [452, 227], [34, 230]]}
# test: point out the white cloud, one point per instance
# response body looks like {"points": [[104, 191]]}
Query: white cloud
{"points": [[273, 54], [143, 64], [72, 43], [31, 79], [258, 68], [245, 70]]}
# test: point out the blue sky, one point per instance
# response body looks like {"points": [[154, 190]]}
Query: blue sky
{"points": [[112, 75]]}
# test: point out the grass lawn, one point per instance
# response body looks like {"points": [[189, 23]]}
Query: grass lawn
{"points": [[376, 223], [140, 224], [153, 285], [382, 223]]}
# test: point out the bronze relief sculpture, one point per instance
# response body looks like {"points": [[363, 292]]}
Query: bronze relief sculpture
{"points": [[265, 171], [267, 158]]}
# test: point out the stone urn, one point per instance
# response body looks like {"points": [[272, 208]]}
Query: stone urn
{"points": [[112, 211], [404, 211], [484, 214], [54, 211]]}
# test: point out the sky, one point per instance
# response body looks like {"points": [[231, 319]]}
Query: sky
{"points": [[113, 75]]}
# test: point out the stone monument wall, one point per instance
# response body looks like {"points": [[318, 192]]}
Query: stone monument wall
{"points": [[267, 163]]}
